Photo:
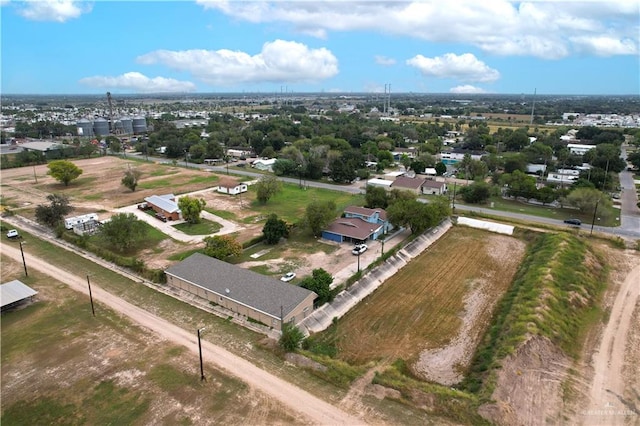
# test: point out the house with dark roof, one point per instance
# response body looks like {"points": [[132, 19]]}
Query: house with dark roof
{"points": [[358, 224], [434, 187], [242, 291], [231, 187], [164, 204], [408, 184]]}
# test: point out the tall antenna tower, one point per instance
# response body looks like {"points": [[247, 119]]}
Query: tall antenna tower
{"points": [[111, 123], [389, 100], [533, 106]]}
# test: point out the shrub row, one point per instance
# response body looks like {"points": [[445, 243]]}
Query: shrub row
{"points": [[135, 265]]}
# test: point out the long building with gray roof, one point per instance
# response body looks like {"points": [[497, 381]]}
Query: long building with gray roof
{"points": [[242, 291]]}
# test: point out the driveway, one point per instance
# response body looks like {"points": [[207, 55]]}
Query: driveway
{"points": [[228, 227]]}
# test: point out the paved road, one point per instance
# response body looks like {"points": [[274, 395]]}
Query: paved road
{"points": [[298, 400]]}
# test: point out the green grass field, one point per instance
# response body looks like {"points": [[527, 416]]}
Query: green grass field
{"points": [[204, 227], [290, 203]]}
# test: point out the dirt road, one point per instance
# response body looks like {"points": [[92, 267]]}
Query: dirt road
{"points": [[606, 402], [318, 411]]}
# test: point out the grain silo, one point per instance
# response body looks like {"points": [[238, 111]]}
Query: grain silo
{"points": [[101, 127], [85, 127], [127, 125], [139, 125]]}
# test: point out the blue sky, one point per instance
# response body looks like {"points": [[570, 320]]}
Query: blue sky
{"points": [[209, 46]]}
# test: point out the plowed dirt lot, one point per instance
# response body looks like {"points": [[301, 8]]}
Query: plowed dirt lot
{"points": [[434, 310]]}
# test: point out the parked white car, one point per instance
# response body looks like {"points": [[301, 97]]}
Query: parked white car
{"points": [[288, 277], [13, 234], [359, 249]]}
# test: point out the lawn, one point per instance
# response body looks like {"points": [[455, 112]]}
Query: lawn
{"points": [[513, 206], [204, 227], [290, 203]]}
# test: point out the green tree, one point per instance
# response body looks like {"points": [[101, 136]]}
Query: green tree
{"points": [[131, 178], [585, 199], [546, 195], [415, 215], [520, 184], [320, 283], [376, 197], [222, 246], [266, 187], [123, 231], [53, 214], [441, 168], [634, 158], [63, 171], [274, 229], [477, 192], [191, 207], [319, 214], [291, 338]]}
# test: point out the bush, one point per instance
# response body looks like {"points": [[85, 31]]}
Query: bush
{"points": [[291, 338]]}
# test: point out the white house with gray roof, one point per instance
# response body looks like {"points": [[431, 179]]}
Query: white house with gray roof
{"points": [[242, 291]]}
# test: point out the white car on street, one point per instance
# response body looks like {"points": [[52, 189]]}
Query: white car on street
{"points": [[13, 234], [288, 277]]}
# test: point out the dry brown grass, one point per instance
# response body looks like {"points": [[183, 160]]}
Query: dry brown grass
{"points": [[99, 187], [422, 305]]}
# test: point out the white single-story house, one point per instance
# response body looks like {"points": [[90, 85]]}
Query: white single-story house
{"points": [[383, 183], [233, 190], [579, 149], [430, 171], [264, 164], [231, 187]]}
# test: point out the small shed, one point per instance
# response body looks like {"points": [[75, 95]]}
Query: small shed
{"points": [[231, 187], [14, 293]]}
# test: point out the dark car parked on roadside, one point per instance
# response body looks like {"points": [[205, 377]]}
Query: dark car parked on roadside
{"points": [[575, 222]]}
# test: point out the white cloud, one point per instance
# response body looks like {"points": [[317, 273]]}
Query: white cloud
{"points": [[52, 10], [606, 46], [543, 29], [466, 88], [383, 60], [279, 61], [465, 67], [139, 83]]}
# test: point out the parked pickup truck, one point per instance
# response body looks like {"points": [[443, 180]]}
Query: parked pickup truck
{"points": [[144, 206]]}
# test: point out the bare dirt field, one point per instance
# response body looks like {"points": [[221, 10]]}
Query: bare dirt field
{"points": [[434, 311], [99, 186]]}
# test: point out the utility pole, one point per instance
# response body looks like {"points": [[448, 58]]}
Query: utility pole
{"points": [[93, 311], [593, 221], [24, 263], [202, 377]]}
